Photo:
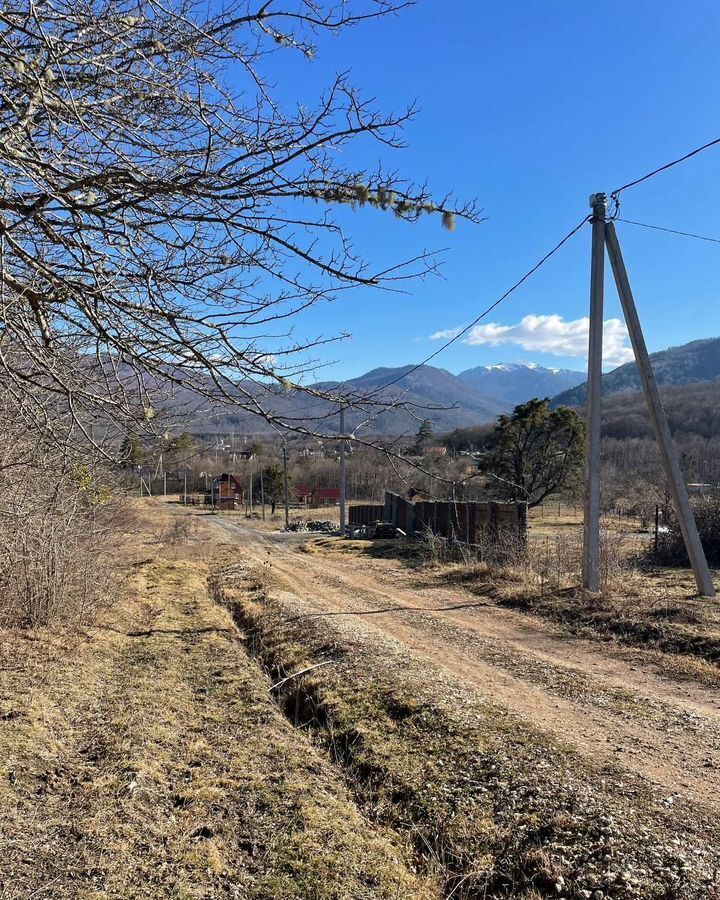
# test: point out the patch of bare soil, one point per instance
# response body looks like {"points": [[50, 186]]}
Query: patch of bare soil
{"points": [[609, 704], [491, 801]]}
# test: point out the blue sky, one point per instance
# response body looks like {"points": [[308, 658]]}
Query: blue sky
{"points": [[529, 107]]}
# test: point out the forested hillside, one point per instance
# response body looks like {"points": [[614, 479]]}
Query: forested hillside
{"points": [[687, 364], [386, 401], [629, 448]]}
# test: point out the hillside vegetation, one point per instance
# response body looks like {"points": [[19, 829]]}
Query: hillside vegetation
{"points": [[686, 364], [426, 392]]}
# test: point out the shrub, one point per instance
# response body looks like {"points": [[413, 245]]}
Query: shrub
{"points": [[670, 545], [57, 520]]}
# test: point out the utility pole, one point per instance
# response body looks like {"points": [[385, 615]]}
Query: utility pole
{"points": [[674, 475], [287, 493], [342, 471], [262, 491], [591, 531], [250, 493]]}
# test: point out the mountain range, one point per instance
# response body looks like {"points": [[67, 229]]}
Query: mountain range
{"points": [[517, 382], [447, 400], [450, 401]]}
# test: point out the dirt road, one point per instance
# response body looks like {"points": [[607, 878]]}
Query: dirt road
{"points": [[611, 704]]}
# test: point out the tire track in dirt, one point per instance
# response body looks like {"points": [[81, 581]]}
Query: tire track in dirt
{"points": [[600, 701]]}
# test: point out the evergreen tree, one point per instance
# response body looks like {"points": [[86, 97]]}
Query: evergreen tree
{"points": [[180, 447], [424, 437], [535, 451]]}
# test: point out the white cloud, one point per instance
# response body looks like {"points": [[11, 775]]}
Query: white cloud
{"points": [[552, 334], [445, 335]]}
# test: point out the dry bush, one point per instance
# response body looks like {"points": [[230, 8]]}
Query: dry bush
{"points": [[671, 546], [555, 563], [178, 531], [545, 564], [57, 523], [438, 550], [500, 546]]}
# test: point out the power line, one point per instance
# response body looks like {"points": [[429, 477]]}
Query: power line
{"points": [[614, 196], [675, 162], [699, 237], [489, 309]]}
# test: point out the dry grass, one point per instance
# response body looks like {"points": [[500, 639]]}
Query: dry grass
{"points": [[553, 518], [148, 760], [145, 758], [276, 522]]}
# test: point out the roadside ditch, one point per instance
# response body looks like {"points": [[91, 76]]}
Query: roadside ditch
{"points": [[488, 806]]}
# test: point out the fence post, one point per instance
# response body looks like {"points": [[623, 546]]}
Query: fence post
{"points": [[387, 513], [493, 520], [657, 528], [410, 508], [522, 520]]}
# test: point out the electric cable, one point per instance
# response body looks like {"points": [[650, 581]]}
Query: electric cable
{"points": [[614, 196], [488, 310], [690, 234]]}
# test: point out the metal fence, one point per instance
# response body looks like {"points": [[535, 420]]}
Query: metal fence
{"points": [[468, 522], [365, 513]]}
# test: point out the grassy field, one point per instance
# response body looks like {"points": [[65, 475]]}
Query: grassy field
{"points": [[146, 758]]}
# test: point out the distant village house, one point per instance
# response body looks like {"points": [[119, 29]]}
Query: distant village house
{"points": [[308, 496], [227, 492]]}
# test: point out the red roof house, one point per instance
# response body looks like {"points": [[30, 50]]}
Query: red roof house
{"points": [[326, 496]]}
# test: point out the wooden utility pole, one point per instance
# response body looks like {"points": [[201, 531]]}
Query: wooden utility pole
{"points": [[674, 475], [591, 531], [342, 471], [287, 492], [250, 492]]}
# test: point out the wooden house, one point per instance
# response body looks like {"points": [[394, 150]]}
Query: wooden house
{"points": [[326, 496], [226, 488]]}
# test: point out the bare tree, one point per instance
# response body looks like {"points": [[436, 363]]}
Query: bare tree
{"points": [[164, 216]]}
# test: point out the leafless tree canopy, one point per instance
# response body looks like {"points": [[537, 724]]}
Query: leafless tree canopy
{"points": [[163, 215]]}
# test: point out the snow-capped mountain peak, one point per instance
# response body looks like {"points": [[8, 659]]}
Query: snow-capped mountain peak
{"points": [[518, 382]]}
